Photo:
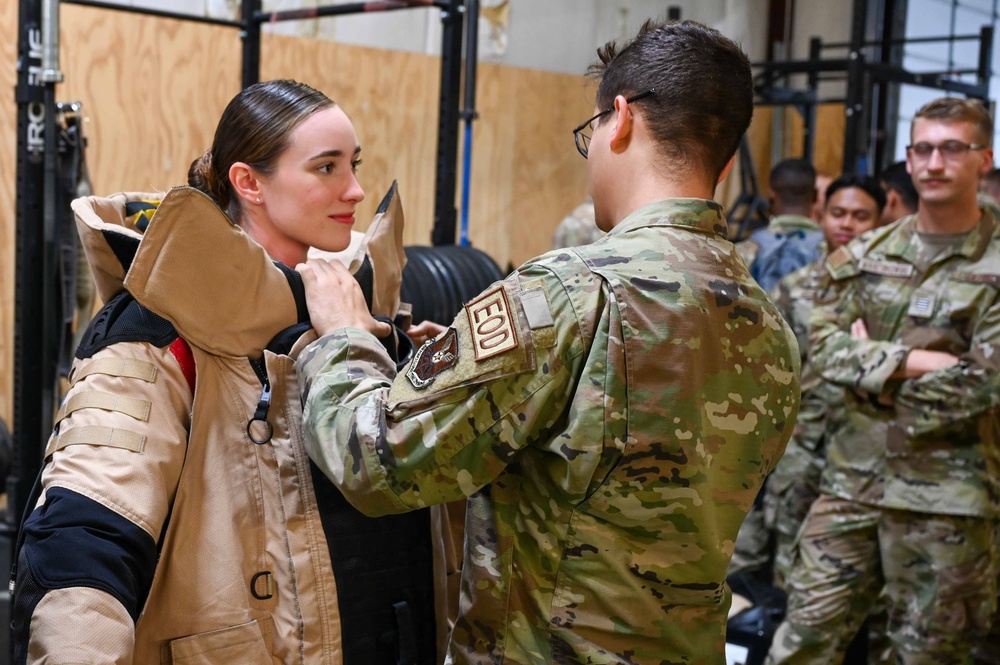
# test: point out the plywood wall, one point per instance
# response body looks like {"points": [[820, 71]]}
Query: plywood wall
{"points": [[154, 88]]}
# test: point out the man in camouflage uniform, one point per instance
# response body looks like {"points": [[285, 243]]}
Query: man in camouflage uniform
{"points": [[610, 411], [792, 193], [908, 320], [901, 198], [853, 206], [577, 228]]}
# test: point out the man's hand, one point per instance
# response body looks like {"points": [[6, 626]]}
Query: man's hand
{"points": [[424, 331], [919, 362], [859, 330], [335, 299]]}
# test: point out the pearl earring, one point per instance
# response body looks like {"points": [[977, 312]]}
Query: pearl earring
{"points": [[258, 199]]}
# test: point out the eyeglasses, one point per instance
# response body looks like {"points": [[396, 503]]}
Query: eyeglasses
{"points": [[948, 149], [583, 139]]}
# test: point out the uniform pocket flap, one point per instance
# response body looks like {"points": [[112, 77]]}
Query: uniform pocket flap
{"points": [[237, 645]]}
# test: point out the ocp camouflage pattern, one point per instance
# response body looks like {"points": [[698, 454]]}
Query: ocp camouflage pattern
{"points": [[794, 483], [930, 444], [608, 459]]}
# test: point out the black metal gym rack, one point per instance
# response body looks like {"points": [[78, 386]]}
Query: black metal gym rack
{"points": [[873, 70], [37, 209]]}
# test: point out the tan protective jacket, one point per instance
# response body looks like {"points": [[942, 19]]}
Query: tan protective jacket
{"points": [[243, 573]]}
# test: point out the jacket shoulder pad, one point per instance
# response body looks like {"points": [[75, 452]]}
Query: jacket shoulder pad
{"points": [[123, 319]]}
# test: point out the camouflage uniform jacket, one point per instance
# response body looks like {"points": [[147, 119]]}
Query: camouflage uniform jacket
{"points": [[779, 224], [934, 449], [645, 387], [822, 401]]}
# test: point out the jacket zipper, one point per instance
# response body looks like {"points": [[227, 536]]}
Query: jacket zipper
{"points": [[263, 404]]}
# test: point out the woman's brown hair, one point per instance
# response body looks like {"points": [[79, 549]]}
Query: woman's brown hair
{"points": [[254, 129]]}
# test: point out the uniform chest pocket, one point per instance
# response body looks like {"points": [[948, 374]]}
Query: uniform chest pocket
{"points": [[966, 298]]}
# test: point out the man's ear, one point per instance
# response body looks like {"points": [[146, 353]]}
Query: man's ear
{"points": [[892, 199], [245, 182], [986, 162], [621, 132]]}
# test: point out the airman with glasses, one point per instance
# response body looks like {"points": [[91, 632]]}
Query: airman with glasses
{"points": [[907, 321]]}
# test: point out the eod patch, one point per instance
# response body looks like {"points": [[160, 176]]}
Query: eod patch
{"points": [[491, 324]]}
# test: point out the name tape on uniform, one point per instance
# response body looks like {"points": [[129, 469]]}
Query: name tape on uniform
{"points": [[888, 268], [492, 324]]}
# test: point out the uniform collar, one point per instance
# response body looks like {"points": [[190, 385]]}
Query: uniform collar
{"points": [[904, 243], [787, 223], [701, 214]]}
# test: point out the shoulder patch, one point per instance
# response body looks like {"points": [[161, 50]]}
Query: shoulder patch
{"points": [[491, 324], [432, 358], [838, 258], [123, 319], [841, 264]]}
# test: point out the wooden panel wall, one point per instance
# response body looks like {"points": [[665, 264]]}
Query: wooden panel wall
{"points": [[153, 90], [8, 149]]}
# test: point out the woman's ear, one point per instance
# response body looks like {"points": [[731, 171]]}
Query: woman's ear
{"points": [[245, 182]]}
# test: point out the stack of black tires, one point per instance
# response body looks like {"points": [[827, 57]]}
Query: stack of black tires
{"points": [[438, 281]]}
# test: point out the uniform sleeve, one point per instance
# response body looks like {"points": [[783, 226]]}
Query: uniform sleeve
{"points": [[112, 468], [844, 360], [943, 398], [783, 299], [457, 415]]}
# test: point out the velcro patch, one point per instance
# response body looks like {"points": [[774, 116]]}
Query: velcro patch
{"points": [[126, 368], [922, 305], [97, 436], [888, 268], [976, 278], [536, 309], [838, 258], [492, 325], [432, 358], [130, 406]]}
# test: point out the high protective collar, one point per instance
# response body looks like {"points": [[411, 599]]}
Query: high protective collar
{"points": [[201, 272]]}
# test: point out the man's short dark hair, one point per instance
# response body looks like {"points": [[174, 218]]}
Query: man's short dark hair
{"points": [[896, 178], [704, 90], [865, 183], [793, 182]]}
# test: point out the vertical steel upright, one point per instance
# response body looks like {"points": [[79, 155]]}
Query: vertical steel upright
{"points": [[469, 114], [809, 109], [854, 107], [33, 119], [32, 416], [250, 34], [892, 32], [445, 213]]}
